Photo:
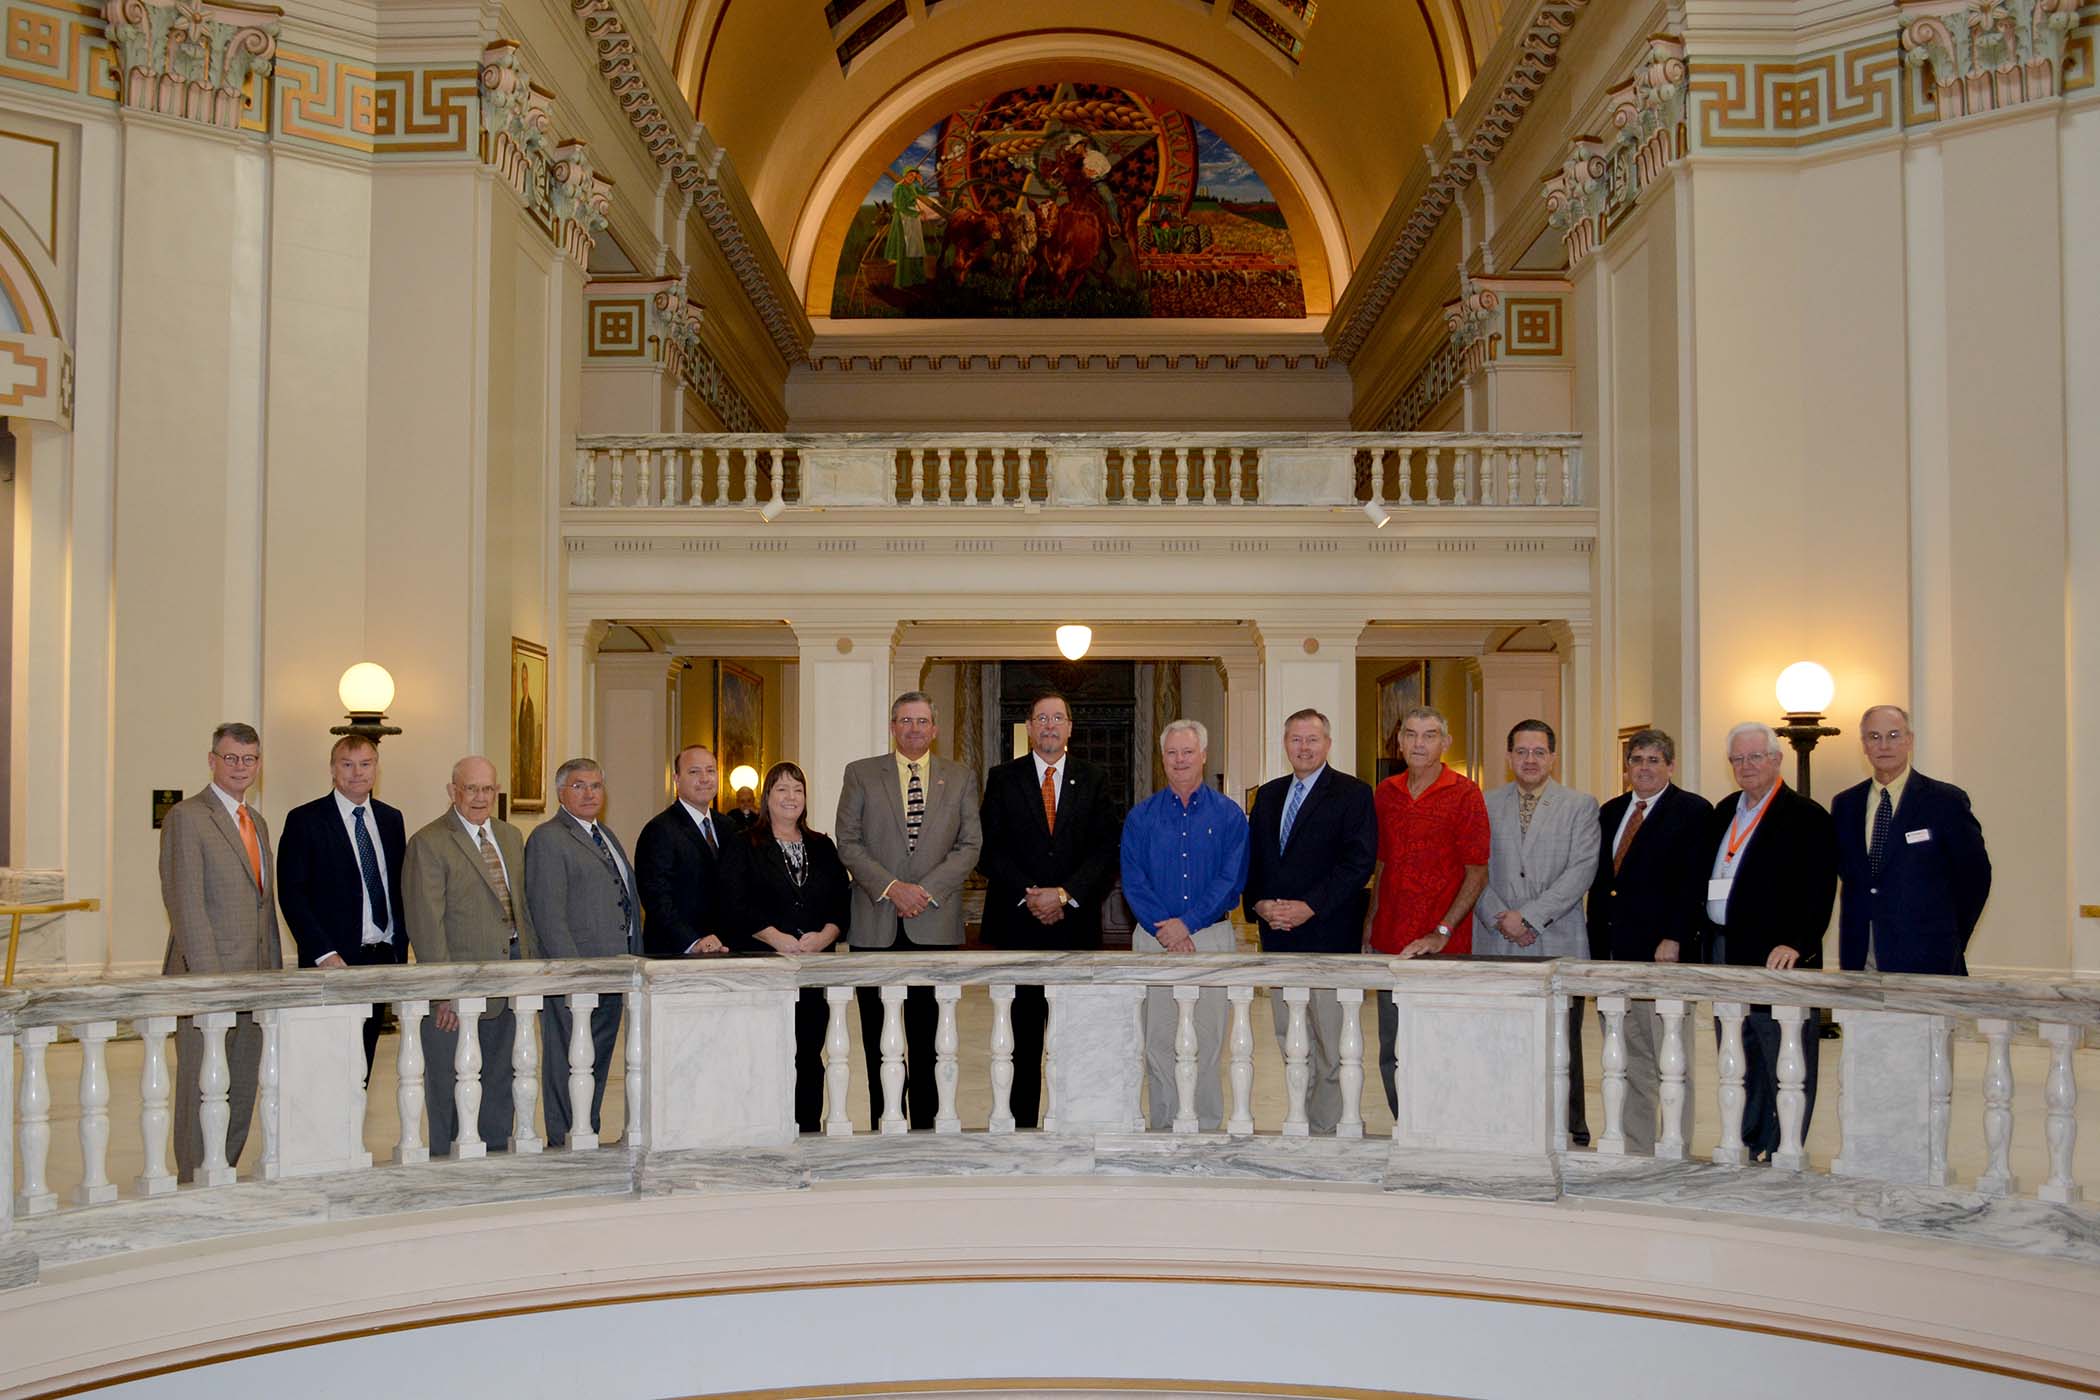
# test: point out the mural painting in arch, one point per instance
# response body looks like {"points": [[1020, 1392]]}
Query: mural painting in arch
{"points": [[1068, 199]]}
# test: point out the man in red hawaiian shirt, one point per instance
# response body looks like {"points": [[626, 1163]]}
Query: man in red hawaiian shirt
{"points": [[1433, 843]]}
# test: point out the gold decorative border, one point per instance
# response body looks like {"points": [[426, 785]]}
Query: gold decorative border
{"points": [[54, 44], [1517, 345], [1787, 103], [1476, 1295]]}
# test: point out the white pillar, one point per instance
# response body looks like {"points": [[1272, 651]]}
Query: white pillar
{"points": [[1185, 1047], [2060, 1092], [891, 1043], [636, 715], [1308, 661], [1351, 1054], [843, 684], [32, 1193]]}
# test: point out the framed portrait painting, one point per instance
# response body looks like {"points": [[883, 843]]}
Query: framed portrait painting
{"points": [[528, 726], [1399, 690], [740, 708]]}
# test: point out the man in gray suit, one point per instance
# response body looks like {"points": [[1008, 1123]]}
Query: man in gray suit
{"points": [[1539, 870], [463, 898], [907, 829], [580, 891], [222, 917]]}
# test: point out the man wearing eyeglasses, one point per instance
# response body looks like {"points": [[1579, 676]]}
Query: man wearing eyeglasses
{"points": [[1769, 889], [1912, 860], [222, 917]]}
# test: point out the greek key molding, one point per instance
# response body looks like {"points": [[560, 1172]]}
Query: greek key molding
{"points": [[59, 47], [192, 60], [1538, 55]]}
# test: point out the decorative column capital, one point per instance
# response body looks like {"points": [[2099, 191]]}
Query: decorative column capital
{"points": [[580, 199], [1603, 177], [1988, 54], [635, 317], [1471, 321], [191, 59], [517, 117]]}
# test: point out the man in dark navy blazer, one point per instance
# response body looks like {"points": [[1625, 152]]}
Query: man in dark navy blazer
{"points": [[1052, 837], [1912, 859], [1644, 905], [1770, 860], [1305, 887], [339, 873], [675, 863]]}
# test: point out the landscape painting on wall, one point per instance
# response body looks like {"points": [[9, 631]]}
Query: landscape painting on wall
{"points": [[1399, 690], [1071, 200]]}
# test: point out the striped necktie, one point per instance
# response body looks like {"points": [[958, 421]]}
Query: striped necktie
{"points": [[493, 864], [914, 809], [1290, 814]]}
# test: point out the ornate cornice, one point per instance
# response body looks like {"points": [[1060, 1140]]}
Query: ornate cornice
{"points": [[555, 179], [191, 60], [1068, 362], [1984, 55], [1602, 178], [694, 164], [1538, 53], [1439, 377]]}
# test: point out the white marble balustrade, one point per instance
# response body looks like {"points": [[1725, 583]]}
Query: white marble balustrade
{"points": [[741, 471], [709, 1052]]}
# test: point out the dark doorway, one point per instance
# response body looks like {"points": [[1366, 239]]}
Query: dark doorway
{"points": [[1104, 711]]}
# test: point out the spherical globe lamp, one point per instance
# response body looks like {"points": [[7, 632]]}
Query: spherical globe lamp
{"points": [[1805, 688], [1073, 639], [366, 690], [743, 776]]}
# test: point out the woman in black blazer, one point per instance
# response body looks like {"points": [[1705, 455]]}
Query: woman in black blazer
{"points": [[786, 891]]}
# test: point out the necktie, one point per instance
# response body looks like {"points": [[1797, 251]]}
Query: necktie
{"points": [[254, 846], [914, 810], [493, 864], [605, 852], [1290, 814], [1050, 798], [368, 866], [1884, 814], [1618, 855], [707, 834]]}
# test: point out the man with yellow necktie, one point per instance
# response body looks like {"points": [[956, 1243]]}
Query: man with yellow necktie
{"points": [[222, 917]]}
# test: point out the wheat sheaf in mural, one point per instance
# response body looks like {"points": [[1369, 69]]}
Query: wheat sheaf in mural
{"points": [[1068, 199]]}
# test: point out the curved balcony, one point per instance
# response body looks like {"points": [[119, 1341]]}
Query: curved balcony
{"points": [[1929, 1233]]}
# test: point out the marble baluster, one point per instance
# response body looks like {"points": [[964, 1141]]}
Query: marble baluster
{"points": [[1240, 1061], [1612, 1142], [1235, 458], [1050, 996], [1793, 1095], [33, 1194], [7, 1134], [947, 1072], [1430, 496], [1464, 462], [674, 477], [1538, 477], [467, 1142], [944, 478], [1181, 474], [582, 489], [1210, 476], [616, 480], [1407, 476], [2060, 1091], [1567, 477], [892, 1047], [408, 1083], [1997, 1178], [1940, 1111], [155, 1100], [1002, 1066], [213, 1113], [643, 494], [1350, 1052], [918, 475], [1557, 1062], [634, 1085], [1185, 1047], [1512, 496], [525, 1139], [270, 1086], [583, 1064], [1672, 1062], [1297, 1060], [1730, 1151], [744, 460], [838, 1063], [95, 1187]]}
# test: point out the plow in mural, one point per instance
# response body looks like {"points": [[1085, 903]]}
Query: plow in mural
{"points": [[1068, 199]]}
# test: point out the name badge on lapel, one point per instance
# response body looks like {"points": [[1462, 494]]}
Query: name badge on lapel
{"points": [[1918, 837], [1718, 889]]}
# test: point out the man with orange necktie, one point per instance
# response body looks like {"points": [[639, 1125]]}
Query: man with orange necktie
{"points": [[222, 917]]}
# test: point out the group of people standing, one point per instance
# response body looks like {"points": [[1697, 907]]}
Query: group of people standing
{"points": [[1421, 865]]}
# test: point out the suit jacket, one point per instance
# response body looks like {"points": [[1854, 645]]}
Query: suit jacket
{"points": [[320, 887], [576, 893], [219, 919], [1021, 850], [679, 880], [758, 892], [1334, 846], [1935, 877], [873, 844], [1785, 880], [1542, 873], [1660, 891], [454, 912]]}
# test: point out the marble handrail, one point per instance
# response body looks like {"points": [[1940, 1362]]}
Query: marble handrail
{"points": [[2046, 999]]}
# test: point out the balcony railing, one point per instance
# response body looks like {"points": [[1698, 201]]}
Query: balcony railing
{"points": [[1483, 1072], [984, 470]]}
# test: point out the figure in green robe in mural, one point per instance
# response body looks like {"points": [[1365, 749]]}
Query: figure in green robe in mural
{"points": [[911, 206]]}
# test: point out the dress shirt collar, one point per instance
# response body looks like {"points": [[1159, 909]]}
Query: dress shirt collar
{"points": [[1894, 790], [925, 762], [1042, 767], [345, 806], [487, 827], [702, 817], [1310, 780], [231, 803]]}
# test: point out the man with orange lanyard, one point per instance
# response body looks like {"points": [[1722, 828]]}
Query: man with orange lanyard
{"points": [[1433, 847], [1768, 900]]}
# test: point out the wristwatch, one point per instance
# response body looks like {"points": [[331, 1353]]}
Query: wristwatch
{"points": [[1443, 930]]}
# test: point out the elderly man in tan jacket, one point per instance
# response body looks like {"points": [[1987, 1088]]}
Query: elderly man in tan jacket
{"points": [[463, 894]]}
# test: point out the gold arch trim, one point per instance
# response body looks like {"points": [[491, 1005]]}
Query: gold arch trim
{"points": [[1784, 1331]]}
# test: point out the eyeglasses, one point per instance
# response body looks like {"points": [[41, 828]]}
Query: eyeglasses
{"points": [[1739, 760], [1884, 736], [238, 760]]}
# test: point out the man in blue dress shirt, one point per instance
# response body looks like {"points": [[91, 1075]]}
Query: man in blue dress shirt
{"points": [[1184, 861]]}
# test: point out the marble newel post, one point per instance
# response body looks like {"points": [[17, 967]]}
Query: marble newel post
{"points": [[1893, 1127], [1096, 1060], [320, 1100], [720, 1071], [1474, 1048]]}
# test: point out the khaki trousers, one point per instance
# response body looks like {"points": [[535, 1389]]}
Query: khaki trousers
{"points": [[1323, 1024], [1162, 1017], [243, 1063], [1643, 1108]]}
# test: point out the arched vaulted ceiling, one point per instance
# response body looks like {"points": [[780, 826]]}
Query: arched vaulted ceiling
{"points": [[1329, 100]]}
